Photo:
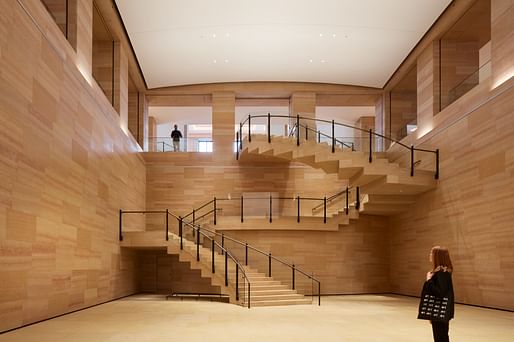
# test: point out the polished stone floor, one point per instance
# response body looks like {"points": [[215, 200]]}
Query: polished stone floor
{"points": [[340, 318]]}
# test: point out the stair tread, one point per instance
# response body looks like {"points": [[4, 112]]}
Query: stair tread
{"points": [[381, 176]]}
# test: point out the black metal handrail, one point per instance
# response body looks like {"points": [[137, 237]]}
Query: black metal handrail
{"points": [[247, 246], [337, 195], [270, 198], [197, 209], [297, 125], [199, 231], [319, 134], [165, 144]]}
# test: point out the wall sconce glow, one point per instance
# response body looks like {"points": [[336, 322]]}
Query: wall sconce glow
{"points": [[504, 78], [86, 73], [424, 130], [124, 124]]}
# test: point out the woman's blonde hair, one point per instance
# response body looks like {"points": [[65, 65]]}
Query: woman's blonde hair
{"points": [[441, 259]]}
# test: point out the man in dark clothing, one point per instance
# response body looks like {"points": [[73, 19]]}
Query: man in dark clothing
{"points": [[176, 136]]}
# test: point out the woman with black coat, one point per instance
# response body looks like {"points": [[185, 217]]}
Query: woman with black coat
{"points": [[438, 292]]}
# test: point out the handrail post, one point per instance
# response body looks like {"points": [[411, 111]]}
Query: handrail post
{"points": [[298, 217], [269, 265], [163, 146], [306, 132], [297, 130], [246, 254], [180, 232], [214, 210], [240, 136], [353, 147], [198, 244], [370, 146], [357, 199], [167, 225], [346, 209], [333, 138], [270, 211], [237, 145], [269, 128], [319, 293], [293, 277], [249, 295], [411, 160], [319, 136], [226, 269], [249, 130], [242, 209], [325, 209], [237, 282], [212, 247], [436, 164], [222, 243], [194, 211], [121, 222]]}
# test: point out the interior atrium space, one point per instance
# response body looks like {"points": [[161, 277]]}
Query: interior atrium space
{"points": [[293, 170]]}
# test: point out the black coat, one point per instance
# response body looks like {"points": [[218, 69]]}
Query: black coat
{"points": [[441, 285]]}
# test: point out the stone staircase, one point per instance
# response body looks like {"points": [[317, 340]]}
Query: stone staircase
{"points": [[264, 290], [385, 187]]}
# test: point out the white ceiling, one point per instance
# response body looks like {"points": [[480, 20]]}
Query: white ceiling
{"points": [[333, 41]]}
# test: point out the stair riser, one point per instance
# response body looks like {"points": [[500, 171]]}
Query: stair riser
{"points": [[281, 303]]}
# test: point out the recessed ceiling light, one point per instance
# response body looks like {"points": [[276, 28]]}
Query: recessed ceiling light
{"points": [[227, 34], [322, 61], [226, 60], [333, 35], [321, 34], [215, 61], [310, 60], [214, 35]]}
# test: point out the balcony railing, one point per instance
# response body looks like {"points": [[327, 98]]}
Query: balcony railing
{"points": [[166, 144]]}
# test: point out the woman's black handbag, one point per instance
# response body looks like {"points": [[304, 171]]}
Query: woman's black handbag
{"points": [[433, 308]]}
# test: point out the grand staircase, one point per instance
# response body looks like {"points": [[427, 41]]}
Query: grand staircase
{"points": [[376, 186], [385, 187], [256, 290]]}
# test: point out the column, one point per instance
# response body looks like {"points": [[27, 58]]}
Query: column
{"points": [[427, 88], [137, 116], [382, 120], [80, 34], [152, 131], [502, 41], [121, 85], [223, 125], [362, 138], [304, 104]]}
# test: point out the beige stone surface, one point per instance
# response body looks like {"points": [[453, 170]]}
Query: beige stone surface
{"points": [[66, 169], [339, 318]]}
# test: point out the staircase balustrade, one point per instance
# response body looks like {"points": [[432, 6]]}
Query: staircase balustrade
{"points": [[211, 236], [213, 207], [299, 123]]}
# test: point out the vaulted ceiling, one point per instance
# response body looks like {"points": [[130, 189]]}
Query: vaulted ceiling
{"points": [[331, 41]]}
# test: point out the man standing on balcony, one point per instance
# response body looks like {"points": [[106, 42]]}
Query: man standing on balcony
{"points": [[176, 135]]}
